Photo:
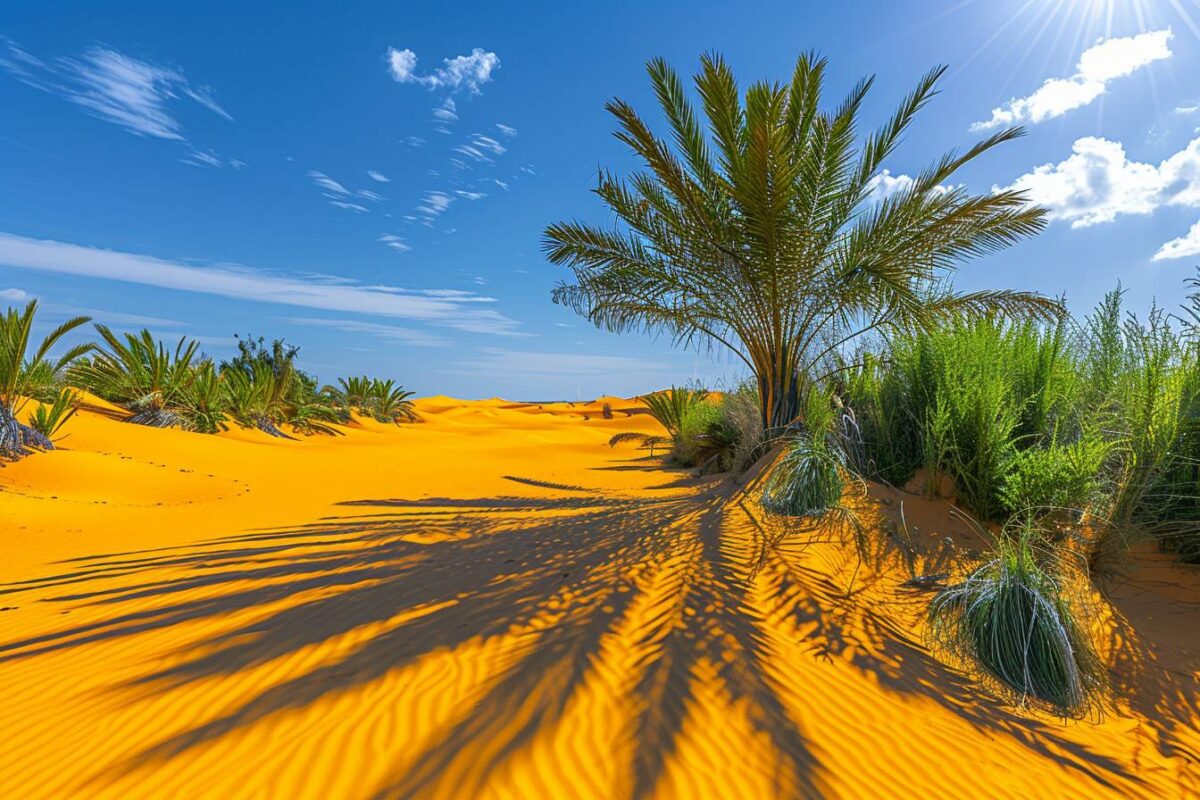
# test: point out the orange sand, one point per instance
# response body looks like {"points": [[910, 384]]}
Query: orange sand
{"points": [[495, 604]]}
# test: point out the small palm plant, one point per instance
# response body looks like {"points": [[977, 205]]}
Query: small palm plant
{"points": [[20, 375], [354, 393], [140, 374], [203, 401], [670, 408], [390, 402], [48, 418]]}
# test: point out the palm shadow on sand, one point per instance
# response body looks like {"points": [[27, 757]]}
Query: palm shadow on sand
{"points": [[560, 573]]}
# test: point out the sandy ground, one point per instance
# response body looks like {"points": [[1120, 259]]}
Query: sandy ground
{"points": [[495, 604]]}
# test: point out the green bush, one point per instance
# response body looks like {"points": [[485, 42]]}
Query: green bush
{"points": [[1013, 619], [1060, 476], [701, 435], [806, 481]]}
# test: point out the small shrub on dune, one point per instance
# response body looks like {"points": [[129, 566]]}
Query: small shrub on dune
{"points": [[701, 436], [384, 400], [140, 374], [1014, 618], [669, 408], [203, 401], [805, 482], [48, 418], [23, 375], [391, 403], [266, 390]]}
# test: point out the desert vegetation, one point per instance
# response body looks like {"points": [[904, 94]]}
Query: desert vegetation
{"points": [[164, 385], [756, 230]]}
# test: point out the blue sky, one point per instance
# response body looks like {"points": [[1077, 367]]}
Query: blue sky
{"points": [[371, 182]]}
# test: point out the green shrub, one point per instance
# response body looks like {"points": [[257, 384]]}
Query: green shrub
{"points": [[1013, 619], [48, 418], [1060, 476], [701, 435], [805, 482]]}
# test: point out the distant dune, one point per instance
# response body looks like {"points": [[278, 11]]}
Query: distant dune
{"points": [[495, 603]]}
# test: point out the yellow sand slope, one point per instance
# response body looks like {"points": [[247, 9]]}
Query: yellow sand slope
{"points": [[495, 604]]}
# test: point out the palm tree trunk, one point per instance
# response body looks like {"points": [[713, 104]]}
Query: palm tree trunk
{"points": [[779, 396]]}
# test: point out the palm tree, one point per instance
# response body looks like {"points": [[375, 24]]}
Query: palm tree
{"points": [[141, 374], [18, 375], [766, 234]]}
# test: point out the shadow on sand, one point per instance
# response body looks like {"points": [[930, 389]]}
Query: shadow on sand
{"points": [[558, 573]]}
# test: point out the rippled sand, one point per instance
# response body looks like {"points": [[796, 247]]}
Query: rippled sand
{"points": [[496, 604]]}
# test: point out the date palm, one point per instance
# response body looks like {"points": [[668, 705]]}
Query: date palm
{"points": [[763, 231]]}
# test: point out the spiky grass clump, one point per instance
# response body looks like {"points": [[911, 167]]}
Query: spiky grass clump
{"points": [[1014, 618], [806, 482]]}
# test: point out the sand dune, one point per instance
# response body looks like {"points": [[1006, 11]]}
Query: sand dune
{"points": [[494, 603]]}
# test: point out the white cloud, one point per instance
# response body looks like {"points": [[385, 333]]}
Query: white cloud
{"points": [[1184, 246], [435, 203], [355, 207], [392, 333], [500, 183], [402, 64], [397, 243], [199, 158], [1187, 109], [507, 130], [445, 307], [1097, 183], [447, 112], [378, 176], [15, 295], [461, 72], [326, 182], [495, 361], [885, 184], [488, 143], [1099, 64], [470, 195], [114, 87], [374, 197]]}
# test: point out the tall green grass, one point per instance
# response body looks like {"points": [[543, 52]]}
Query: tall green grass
{"points": [[1100, 415]]}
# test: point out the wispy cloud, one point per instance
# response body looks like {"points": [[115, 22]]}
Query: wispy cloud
{"points": [[397, 243], [378, 176], [507, 130], [1103, 62], [470, 195], [114, 87], [206, 158], [448, 308], [374, 197], [468, 72], [1097, 183], [389, 333], [433, 204], [325, 182], [355, 207], [445, 115]]}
